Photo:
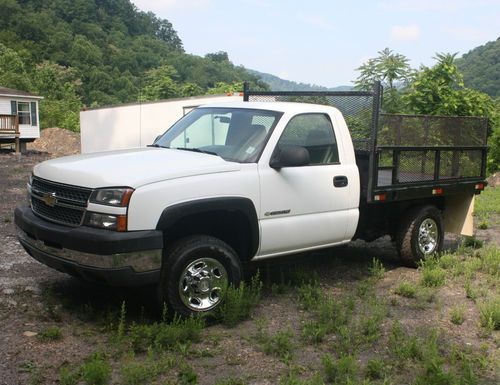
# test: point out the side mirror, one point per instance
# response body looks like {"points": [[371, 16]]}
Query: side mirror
{"points": [[290, 156]]}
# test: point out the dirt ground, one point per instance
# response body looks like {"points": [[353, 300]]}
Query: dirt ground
{"points": [[34, 297]]}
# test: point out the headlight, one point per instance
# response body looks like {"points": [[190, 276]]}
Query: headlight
{"points": [[118, 197], [107, 221]]}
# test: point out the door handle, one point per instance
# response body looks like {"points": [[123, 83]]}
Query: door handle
{"points": [[340, 181]]}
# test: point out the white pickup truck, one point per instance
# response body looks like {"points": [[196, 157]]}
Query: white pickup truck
{"points": [[233, 183]]}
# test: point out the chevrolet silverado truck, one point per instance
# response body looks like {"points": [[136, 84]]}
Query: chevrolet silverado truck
{"points": [[237, 182]]}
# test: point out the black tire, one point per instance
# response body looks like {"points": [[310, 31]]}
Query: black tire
{"points": [[197, 249], [407, 240]]}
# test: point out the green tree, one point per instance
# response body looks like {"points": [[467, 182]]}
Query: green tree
{"points": [[439, 90], [61, 104], [392, 70], [160, 83], [224, 88], [13, 72]]}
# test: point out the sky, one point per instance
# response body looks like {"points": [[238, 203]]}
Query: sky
{"points": [[323, 42]]}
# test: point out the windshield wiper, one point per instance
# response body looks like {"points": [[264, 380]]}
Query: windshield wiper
{"points": [[197, 150], [156, 145]]}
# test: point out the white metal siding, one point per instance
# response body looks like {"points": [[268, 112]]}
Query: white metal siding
{"points": [[26, 131], [5, 106]]}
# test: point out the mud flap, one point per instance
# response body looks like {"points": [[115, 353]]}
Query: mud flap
{"points": [[458, 214]]}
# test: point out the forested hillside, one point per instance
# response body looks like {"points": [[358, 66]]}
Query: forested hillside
{"points": [[99, 52], [481, 68], [278, 84]]}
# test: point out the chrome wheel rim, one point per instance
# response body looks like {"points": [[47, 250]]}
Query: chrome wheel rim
{"points": [[201, 284], [428, 236]]}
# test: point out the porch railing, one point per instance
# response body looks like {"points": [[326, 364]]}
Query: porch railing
{"points": [[9, 129]]}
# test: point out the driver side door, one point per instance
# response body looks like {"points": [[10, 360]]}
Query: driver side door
{"points": [[306, 207]]}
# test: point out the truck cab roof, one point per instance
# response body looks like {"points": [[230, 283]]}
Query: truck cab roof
{"points": [[287, 107]]}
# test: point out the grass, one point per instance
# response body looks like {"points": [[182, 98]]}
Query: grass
{"points": [[489, 312], [342, 370], [50, 334], [487, 204], [292, 378], [328, 316], [343, 333], [239, 302], [406, 289], [433, 275], [309, 295], [280, 344], [375, 369], [457, 314], [377, 270], [187, 375], [163, 335], [402, 345], [136, 371], [97, 370]]}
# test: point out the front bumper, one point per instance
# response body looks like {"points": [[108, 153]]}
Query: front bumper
{"points": [[114, 258]]}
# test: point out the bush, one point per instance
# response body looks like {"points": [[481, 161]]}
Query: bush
{"points": [[489, 313], [375, 369], [280, 344], [53, 333], [406, 289], [239, 302], [165, 335], [457, 315], [432, 274], [96, 371], [340, 371]]}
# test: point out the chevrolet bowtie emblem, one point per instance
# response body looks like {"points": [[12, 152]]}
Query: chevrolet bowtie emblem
{"points": [[50, 199]]}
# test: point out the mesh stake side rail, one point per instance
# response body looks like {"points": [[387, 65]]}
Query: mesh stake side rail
{"points": [[404, 151]]}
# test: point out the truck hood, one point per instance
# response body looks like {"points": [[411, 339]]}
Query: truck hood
{"points": [[131, 168]]}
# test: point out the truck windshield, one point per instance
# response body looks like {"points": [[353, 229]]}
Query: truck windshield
{"points": [[234, 134]]}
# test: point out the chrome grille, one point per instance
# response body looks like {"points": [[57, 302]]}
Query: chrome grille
{"points": [[67, 205], [65, 193]]}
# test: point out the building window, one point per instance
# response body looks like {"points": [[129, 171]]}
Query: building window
{"points": [[24, 112]]}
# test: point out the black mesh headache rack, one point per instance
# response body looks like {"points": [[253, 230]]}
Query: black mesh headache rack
{"points": [[402, 156]]}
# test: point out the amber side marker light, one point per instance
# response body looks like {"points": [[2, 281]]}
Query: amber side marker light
{"points": [[121, 223], [126, 197]]}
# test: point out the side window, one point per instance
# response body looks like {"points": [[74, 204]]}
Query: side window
{"points": [[315, 133]]}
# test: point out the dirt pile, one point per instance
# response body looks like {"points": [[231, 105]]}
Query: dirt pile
{"points": [[57, 142]]}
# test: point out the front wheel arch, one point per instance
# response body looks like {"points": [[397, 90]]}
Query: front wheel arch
{"points": [[231, 219]]}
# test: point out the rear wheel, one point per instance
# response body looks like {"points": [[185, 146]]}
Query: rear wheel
{"points": [[195, 271], [421, 234]]}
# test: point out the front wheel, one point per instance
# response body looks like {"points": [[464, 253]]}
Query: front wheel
{"points": [[195, 271], [421, 234]]}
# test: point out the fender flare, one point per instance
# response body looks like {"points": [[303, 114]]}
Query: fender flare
{"points": [[172, 214]]}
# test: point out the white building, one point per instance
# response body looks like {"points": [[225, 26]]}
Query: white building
{"points": [[136, 124], [25, 106]]}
